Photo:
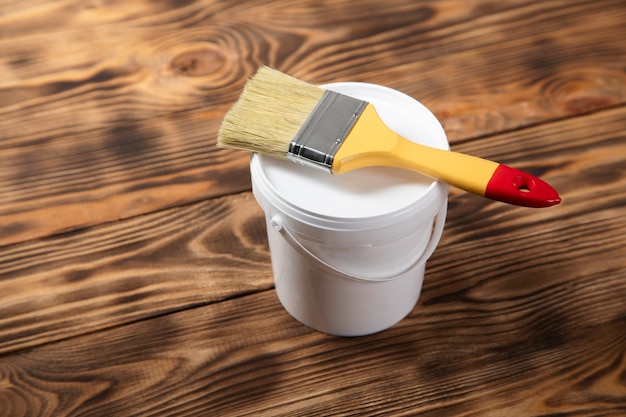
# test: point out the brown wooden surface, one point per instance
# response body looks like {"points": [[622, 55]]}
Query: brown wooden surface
{"points": [[135, 277]]}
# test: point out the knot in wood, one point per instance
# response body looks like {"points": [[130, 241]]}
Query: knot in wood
{"points": [[198, 63]]}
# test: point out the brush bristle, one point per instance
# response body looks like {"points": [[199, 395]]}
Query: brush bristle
{"points": [[270, 111]]}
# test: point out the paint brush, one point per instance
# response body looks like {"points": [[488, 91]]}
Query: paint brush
{"points": [[281, 116]]}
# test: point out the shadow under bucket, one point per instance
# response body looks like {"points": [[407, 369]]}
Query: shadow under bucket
{"points": [[349, 251]]}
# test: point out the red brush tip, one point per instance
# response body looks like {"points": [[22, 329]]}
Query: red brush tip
{"points": [[513, 186]]}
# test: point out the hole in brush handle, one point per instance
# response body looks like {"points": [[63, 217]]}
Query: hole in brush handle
{"points": [[513, 186]]}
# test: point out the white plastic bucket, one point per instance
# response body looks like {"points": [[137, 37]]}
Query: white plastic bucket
{"points": [[349, 251]]}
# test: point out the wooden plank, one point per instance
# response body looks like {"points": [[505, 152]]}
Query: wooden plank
{"points": [[20, 19], [533, 349], [124, 171], [124, 271], [479, 69], [79, 100], [107, 276]]}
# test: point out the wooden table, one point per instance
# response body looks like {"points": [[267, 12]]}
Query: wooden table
{"points": [[135, 275]]}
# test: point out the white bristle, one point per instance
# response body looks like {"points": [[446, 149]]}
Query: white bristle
{"points": [[269, 113]]}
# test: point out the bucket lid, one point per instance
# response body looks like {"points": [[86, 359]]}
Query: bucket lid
{"points": [[373, 193]]}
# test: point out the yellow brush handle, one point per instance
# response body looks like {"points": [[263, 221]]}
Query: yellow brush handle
{"points": [[372, 143], [466, 172]]}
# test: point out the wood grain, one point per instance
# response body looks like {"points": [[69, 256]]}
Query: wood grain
{"points": [[101, 277], [135, 278], [128, 170], [60, 287], [151, 89], [440, 53], [138, 79], [194, 363]]}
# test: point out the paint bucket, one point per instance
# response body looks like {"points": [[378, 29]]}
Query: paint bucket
{"points": [[349, 251]]}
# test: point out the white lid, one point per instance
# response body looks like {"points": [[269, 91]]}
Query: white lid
{"points": [[363, 193]]}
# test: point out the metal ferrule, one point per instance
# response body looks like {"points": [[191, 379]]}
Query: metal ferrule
{"points": [[322, 134]]}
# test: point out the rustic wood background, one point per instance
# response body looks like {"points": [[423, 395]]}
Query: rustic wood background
{"points": [[135, 277]]}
